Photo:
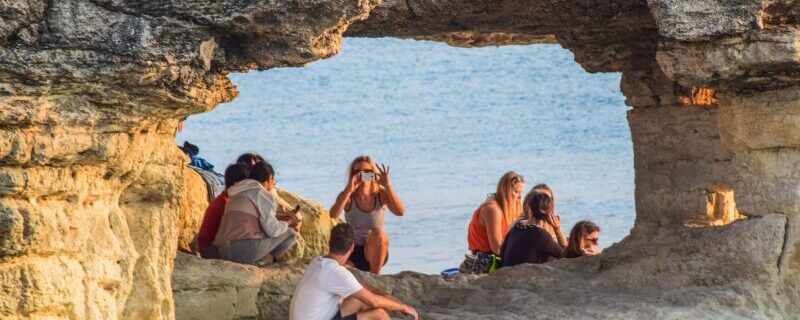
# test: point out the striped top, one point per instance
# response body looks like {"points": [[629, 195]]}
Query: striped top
{"points": [[361, 221]]}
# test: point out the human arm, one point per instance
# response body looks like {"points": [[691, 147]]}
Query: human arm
{"points": [[267, 207], [388, 196], [211, 221], [292, 222], [292, 217], [343, 283], [492, 219], [344, 196], [545, 243], [386, 302], [555, 222]]}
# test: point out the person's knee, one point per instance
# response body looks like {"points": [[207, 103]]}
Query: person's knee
{"points": [[379, 236], [291, 234], [289, 239], [351, 305], [374, 314]]}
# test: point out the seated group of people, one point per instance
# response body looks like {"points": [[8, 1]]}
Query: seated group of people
{"points": [[245, 223], [506, 230]]}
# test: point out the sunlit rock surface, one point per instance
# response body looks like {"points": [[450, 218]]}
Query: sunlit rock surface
{"points": [[93, 192], [193, 206]]}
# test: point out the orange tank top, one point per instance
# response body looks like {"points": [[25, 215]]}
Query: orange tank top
{"points": [[477, 239]]}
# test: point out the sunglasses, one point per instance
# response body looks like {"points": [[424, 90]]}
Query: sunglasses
{"points": [[362, 170], [518, 178]]}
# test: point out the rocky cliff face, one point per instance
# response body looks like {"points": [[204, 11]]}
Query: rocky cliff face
{"points": [[91, 184], [93, 192]]}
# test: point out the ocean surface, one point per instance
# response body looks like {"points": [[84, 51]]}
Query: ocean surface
{"points": [[449, 121]]}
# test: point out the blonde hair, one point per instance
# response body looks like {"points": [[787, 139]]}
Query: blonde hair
{"points": [[367, 159], [511, 207]]}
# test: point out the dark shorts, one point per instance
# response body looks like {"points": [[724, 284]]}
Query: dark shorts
{"points": [[359, 260], [338, 316]]}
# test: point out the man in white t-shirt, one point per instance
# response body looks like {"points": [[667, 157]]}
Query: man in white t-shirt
{"points": [[328, 291]]}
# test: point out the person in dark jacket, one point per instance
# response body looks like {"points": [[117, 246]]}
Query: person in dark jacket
{"points": [[528, 241]]}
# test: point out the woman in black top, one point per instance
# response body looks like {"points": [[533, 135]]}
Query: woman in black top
{"points": [[528, 241]]}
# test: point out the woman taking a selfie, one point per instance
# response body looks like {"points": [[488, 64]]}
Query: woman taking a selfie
{"points": [[367, 192]]}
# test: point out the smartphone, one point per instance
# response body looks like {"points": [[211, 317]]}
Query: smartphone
{"points": [[367, 176], [296, 209]]}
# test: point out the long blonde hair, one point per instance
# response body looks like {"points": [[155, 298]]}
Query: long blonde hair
{"points": [[510, 205], [367, 159]]}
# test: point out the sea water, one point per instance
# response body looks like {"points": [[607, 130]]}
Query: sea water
{"points": [[449, 122]]}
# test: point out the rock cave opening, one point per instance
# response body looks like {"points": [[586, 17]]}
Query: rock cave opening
{"points": [[449, 121], [95, 199]]}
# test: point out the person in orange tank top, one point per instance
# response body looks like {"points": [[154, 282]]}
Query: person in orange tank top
{"points": [[489, 224]]}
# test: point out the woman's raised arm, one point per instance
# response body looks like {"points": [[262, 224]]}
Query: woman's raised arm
{"points": [[344, 196], [388, 196]]}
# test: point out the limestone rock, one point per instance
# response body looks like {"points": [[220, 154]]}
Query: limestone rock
{"points": [[314, 232], [710, 274], [92, 188], [222, 290], [91, 185], [480, 39], [702, 19], [752, 61], [192, 208]]}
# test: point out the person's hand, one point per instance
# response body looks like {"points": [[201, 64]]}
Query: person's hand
{"points": [[554, 220], [408, 310], [353, 183], [296, 216], [295, 225], [591, 250], [383, 175]]}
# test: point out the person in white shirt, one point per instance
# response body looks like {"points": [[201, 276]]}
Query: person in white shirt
{"points": [[328, 291]]}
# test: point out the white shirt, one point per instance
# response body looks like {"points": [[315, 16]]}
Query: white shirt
{"points": [[321, 290]]}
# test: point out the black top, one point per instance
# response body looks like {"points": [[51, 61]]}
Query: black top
{"points": [[528, 244]]}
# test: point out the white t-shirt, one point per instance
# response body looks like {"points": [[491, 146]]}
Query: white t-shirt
{"points": [[321, 290]]}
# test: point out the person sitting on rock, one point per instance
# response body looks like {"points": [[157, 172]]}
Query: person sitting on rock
{"points": [[292, 216], [556, 233], [367, 188], [528, 241], [583, 240], [249, 231], [329, 291], [490, 222], [213, 215]]}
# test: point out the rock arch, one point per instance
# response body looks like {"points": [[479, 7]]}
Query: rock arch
{"points": [[90, 187]]}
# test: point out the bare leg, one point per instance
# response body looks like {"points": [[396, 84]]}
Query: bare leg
{"points": [[375, 250], [354, 306], [373, 314]]}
